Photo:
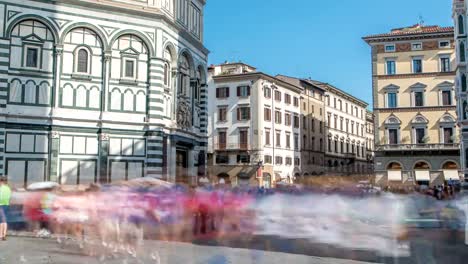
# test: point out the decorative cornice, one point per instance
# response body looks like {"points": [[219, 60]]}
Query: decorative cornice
{"points": [[415, 109], [415, 75]]}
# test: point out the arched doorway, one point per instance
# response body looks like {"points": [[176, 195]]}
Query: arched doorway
{"points": [[450, 170], [223, 178], [394, 171], [422, 173]]}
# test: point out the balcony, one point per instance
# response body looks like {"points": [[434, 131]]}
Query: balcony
{"points": [[417, 147], [232, 146]]}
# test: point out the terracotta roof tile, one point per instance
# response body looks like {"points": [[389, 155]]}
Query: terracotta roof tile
{"points": [[413, 30]]}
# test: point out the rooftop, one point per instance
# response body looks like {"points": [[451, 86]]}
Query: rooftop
{"points": [[413, 30]]}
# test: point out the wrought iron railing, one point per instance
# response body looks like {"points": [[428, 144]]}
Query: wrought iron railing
{"points": [[400, 147]]}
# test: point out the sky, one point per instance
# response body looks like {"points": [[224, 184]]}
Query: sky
{"points": [[320, 39]]}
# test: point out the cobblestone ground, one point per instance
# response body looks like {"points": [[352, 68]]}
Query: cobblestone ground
{"points": [[36, 251]]}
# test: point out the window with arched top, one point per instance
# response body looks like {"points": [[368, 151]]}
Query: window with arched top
{"points": [[465, 105], [82, 61], [461, 25], [463, 82], [462, 51]]}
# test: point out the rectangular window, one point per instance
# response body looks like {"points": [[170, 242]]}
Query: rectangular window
{"points": [[287, 99], [444, 44], [267, 114], [243, 113], [420, 134], [222, 159], [278, 96], [391, 68], [268, 159], [222, 139], [418, 99], [416, 46], [288, 141], [392, 100], [243, 158], [417, 66], [304, 122], [222, 92], [26, 143], [278, 139], [267, 137], [448, 135], [243, 91], [129, 68], [278, 160], [277, 117], [267, 92], [446, 98], [222, 114], [287, 119], [444, 64], [32, 57], [296, 141], [390, 48], [120, 146], [296, 121], [243, 138], [288, 161], [297, 161], [296, 101]]}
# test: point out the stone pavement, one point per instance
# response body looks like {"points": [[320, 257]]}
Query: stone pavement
{"points": [[17, 250]]}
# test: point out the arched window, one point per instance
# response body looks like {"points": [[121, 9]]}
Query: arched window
{"points": [[463, 83], [465, 104], [462, 51], [82, 61], [461, 25]]}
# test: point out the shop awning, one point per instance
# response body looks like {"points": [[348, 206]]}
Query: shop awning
{"points": [[422, 175], [451, 175], [394, 175]]}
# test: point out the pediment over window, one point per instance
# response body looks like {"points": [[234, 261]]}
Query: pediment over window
{"points": [[391, 87], [130, 51], [447, 118], [33, 38], [392, 120], [419, 119], [418, 85], [446, 84]]}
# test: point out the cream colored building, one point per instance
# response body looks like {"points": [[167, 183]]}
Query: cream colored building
{"points": [[312, 126], [413, 72]]}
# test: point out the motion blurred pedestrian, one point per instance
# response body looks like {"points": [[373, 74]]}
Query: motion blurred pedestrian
{"points": [[5, 197]]}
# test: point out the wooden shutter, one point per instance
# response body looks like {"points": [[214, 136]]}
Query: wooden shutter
{"points": [[238, 91], [238, 114], [227, 91], [217, 92], [248, 90], [248, 113]]}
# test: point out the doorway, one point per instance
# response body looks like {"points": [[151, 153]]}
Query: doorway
{"points": [[182, 166]]}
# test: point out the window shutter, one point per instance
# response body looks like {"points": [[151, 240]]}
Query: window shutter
{"points": [[217, 92], [248, 113], [248, 90], [238, 114], [238, 91], [227, 92]]}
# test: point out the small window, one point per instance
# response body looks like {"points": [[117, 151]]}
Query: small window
{"points": [[222, 92], [296, 101], [418, 99], [129, 68], [446, 98], [390, 48], [243, 113], [222, 114], [82, 61], [391, 69], [392, 100], [417, 65], [243, 91], [416, 46], [445, 44], [32, 57], [444, 64], [278, 96], [267, 92]]}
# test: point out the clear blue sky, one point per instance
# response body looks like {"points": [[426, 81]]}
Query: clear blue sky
{"points": [[320, 39]]}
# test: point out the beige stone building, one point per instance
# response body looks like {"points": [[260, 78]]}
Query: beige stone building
{"points": [[413, 72], [312, 125]]}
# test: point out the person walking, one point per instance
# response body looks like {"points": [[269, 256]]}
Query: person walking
{"points": [[5, 196]]}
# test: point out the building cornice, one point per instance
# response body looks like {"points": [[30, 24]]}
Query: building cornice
{"points": [[415, 109], [420, 36], [413, 75], [256, 75]]}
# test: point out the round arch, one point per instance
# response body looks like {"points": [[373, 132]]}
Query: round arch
{"points": [[170, 46], [450, 165], [190, 59], [124, 32], [422, 165], [99, 33], [394, 165], [41, 19]]}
